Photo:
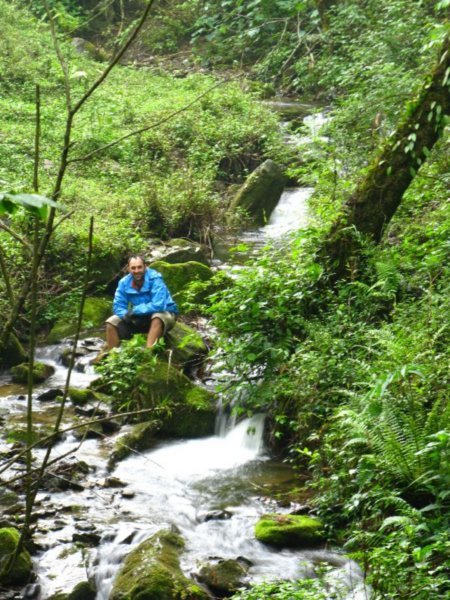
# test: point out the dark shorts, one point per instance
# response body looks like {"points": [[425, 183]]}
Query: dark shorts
{"points": [[141, 324]]}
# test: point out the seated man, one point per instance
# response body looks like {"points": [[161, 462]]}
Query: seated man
{"points": [[142, 304]]}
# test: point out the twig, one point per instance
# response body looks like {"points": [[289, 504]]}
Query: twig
{"points": [[37, 138], [60, 56], [16, 236], [62, 219], [5, 274]]}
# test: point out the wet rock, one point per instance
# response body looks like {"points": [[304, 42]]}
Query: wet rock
{"points": [[88, 538], [22, 569], [128, 494], [41, 372], [49, 395], [85, 590], [223, 577], [216, 515], [66, 475], [261, 192], [141, 437], [66, 355], [82, 397], [178, 251], [295, 531], [152, 570], [113, 482], [96, 311]]}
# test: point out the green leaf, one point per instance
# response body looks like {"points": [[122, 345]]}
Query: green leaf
{"points": [[33, 203]]}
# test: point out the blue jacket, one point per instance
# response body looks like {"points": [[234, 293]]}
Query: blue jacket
{"points": [[152, 297]]}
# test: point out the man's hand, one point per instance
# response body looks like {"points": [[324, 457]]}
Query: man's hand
{"points": [[128, 317]]}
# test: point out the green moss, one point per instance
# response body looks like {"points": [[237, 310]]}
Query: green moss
{"points": [[289, 530], [21, 570], [178, 278], [96, 311], [41, 372], [186, 344], [224, 577], [82, 397], [152, 572], [85, 590]]}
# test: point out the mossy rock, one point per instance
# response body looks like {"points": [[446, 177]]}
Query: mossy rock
{"points": [[178, 250], [191, 410], [223, 577], [152, 572], [22, 569], [95, 313], [261, 192], [186, 344], [293, 531], [13, 354], [81, 397], [180, 276], [85, 590], [41, 372], [141, 437]]}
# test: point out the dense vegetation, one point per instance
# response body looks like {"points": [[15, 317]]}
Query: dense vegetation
{"points": [[353, 372]]}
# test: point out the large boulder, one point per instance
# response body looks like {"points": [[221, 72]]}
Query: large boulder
{"points": [[41, 372], [294, 531], [152, 572], [96, 311], [261, 192], [22, 569], [188, 409], [186, 345], [13, 354], [178, 250], [141, 437], [179, 278]]}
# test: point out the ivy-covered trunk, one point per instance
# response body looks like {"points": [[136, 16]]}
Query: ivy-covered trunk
{"points": [[376, 198]]}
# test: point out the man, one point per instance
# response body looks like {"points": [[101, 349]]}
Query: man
{"points": [[142, 304]]}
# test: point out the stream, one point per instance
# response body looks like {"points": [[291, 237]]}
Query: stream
{"points": [[213, 490]]}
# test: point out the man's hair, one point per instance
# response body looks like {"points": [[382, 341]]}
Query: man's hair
{"points": [[135, 256]]}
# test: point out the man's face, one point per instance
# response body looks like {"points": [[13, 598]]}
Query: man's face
{"points": [[137, 268]]}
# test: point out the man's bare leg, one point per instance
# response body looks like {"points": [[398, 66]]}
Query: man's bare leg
{"points": [[155, 332], [112, 336]]}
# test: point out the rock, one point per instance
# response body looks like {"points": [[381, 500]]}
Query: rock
{"points": [[261, 192], [88, 538], [96, 311], [22, 568], [83, 46], [178, 250], [295, 531], [152, 570], [113, 482], [216, 515], [50, 395], [67, 474], [85, 590], [179, 278], [81, 397], [41, 372], [187, 345], [191, 412], [223, 577], [13, 354], [32, 592], [141, 437]]}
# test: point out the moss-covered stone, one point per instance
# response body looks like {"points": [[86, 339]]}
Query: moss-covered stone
{"points": [[295, 531], [261, 192], [186, 344], [190, 408], [81, 397], [179, 278], [13, 354], [85, 590], [152, 572], [41, 372], [96, 311], [22, 568], [141, 437], [223, 577]]}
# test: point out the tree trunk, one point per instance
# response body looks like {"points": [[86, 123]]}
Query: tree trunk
{"points": [[372, 205]]}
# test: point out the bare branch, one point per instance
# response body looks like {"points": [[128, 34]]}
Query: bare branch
{"points": [[59, 54], [16, 236]]}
